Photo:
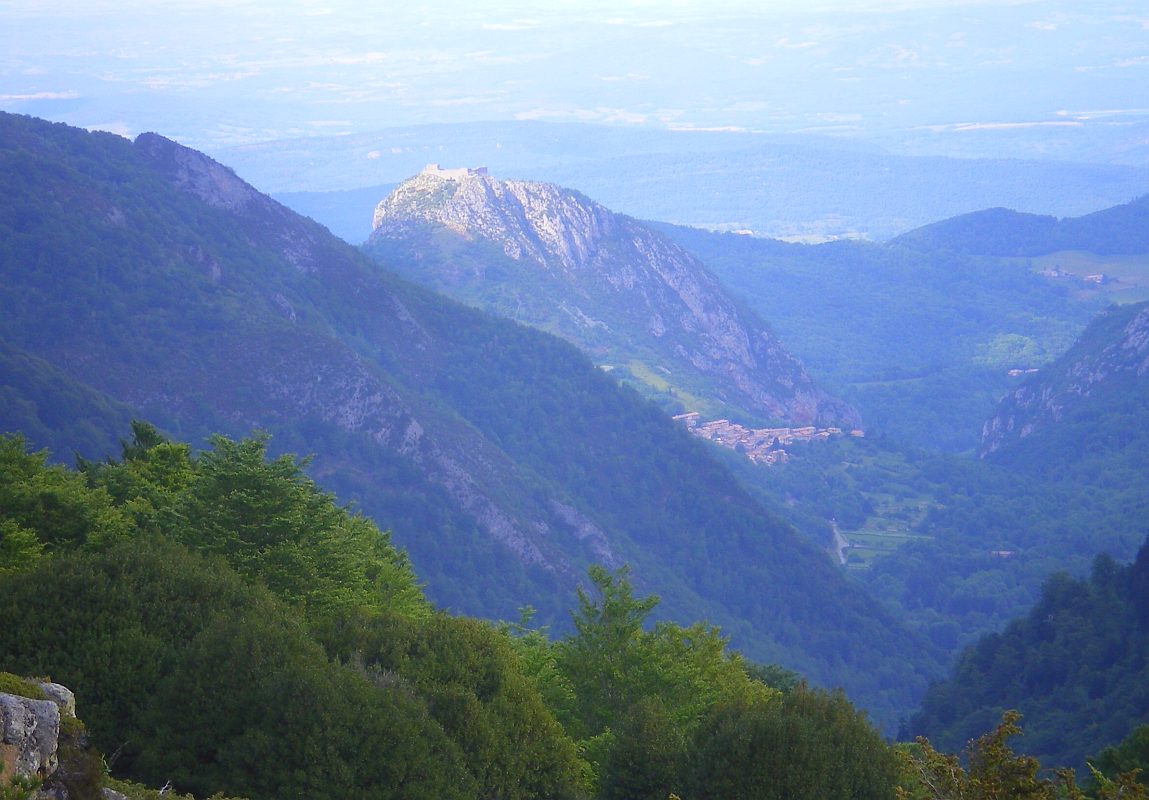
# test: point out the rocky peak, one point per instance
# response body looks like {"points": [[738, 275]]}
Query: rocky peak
{"points": [[605, 281], [536, 221]]}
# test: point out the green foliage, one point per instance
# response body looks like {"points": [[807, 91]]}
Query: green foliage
{"points": [[191, 674], [996, 772], [476, 690], [50, 502], [607, 659], [539, 659], [251, 692], [671, 710], [272, 522], [804, 744], [22, 687], [148, 480], [195, 673], [774, 676], [647, 755], [625, 466], [1130, 757], [19, 547], [212, 319], [136, 791], [19, 788], [264, 516], [613, 663]]}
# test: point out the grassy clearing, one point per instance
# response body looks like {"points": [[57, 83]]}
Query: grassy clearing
{"points": [[898, 508], [658, 382], [1128, 274]]}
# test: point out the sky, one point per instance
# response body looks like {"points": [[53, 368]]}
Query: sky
{"points": [[215, 74]]}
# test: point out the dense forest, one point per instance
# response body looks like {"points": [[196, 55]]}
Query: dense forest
{"points": [[187, 596], [956, 547], [972, 541]]}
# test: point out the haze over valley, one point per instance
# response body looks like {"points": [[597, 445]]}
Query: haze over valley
{"points": [[593, 400]]}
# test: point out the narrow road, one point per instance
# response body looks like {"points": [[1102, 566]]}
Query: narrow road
{"points": [[840, 543]]}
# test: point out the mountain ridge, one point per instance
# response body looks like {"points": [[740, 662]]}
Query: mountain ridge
{"points": [[1117, 230], [617, 289]]}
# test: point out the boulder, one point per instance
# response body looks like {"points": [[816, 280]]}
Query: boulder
{"points": [[62, 696], [29, 737]]}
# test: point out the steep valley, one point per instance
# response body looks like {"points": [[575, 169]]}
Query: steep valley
{"points": [[502, 459]]}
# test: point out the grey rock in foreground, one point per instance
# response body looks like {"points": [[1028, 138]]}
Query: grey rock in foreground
{"points": [[29, 737]]}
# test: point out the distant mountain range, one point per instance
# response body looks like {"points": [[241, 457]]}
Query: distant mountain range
{"points": [[636, 302], [144, 277], [1118, 230], [807, 187]]}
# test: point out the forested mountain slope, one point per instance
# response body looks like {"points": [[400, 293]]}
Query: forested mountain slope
{"points": [[503, 460], [1063, 478], [56, 411], [1075, 667], [1121, 229], [229, 628], [926, 339]]}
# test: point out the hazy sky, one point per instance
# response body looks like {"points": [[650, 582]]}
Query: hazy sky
{"points": [[213, 73]]}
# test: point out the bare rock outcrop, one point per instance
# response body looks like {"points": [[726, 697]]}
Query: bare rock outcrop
{"points": [[29, 737], [305, 245], [1113, 351]]}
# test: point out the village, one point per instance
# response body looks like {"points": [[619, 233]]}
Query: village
{"points": [[760, 445]]}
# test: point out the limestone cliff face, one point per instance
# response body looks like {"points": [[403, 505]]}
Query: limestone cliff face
{"points": [[1113, 351], [552, 258]]}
